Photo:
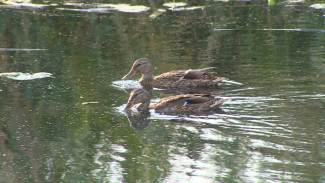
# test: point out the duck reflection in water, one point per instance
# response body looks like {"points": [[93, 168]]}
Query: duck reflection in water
{"points": [[174, 79], [177, 104], [140, 120]]}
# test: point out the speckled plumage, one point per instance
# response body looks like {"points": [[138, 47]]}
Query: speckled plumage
{"points": [[173, 79], [187, 103]]}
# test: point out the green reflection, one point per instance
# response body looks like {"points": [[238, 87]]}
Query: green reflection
{"points": [[67, 128]]}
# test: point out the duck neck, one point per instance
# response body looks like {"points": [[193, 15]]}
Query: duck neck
{"points": [[146, 78], [144, 106]]}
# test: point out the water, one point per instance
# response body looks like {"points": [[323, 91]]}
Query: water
{"points": [[71, 127]]}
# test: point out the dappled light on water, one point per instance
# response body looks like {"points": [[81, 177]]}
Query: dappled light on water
{"points": [[126, 8], [99, 8], [126, 84], [318, 6]]}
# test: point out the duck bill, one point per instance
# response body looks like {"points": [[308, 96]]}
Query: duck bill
{"points": [[129, 105], [130, 74]]}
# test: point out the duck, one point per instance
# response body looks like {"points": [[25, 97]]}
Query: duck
{"points": [[173, 79], [176, 104]]}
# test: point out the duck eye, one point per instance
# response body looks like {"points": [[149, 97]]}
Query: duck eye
{"points": [[135, 95], [137, 65]]}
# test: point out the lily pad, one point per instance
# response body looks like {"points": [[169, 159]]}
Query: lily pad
{"points": [[318, 6], [25, 76]]}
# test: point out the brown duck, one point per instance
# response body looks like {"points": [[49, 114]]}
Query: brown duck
{"points": [[173, 79], [186, 103]]}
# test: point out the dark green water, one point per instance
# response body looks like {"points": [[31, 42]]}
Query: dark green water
{"points": [[70, 128]]}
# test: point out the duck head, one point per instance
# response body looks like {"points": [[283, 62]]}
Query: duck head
{"points": [[141, 65], [137, 96]]}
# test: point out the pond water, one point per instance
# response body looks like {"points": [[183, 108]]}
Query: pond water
{"points": [[62, 97]]}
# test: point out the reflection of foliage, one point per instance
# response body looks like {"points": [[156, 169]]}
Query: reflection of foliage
{"points": [[48, 133]]}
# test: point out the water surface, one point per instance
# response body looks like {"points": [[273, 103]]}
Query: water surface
{"points": [[70, 127]]}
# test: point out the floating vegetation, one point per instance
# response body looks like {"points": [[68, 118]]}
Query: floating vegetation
{"points": [[318, 6], [25, 76]]}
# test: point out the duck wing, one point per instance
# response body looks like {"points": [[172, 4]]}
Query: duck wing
{"points": [[170, 102], [196, 74], [171, 76], [188, 103], [183, 74]]}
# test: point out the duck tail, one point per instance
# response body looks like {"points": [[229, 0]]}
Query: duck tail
{"points": [[219, 79], [204, 69], [219, 102]]}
